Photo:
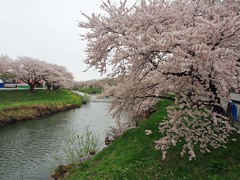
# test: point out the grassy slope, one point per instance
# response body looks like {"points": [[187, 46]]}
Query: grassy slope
{"points": [[133, 156], [24, 104]]}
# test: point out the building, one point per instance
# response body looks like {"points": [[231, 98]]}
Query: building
{"points": [[1, 84]]}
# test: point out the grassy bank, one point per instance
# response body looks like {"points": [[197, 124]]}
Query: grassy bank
{"points": [[93, 90], [21, 105], [133, 156]]}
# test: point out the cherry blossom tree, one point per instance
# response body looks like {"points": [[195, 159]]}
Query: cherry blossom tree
{"points": [[57, 76], [100, 83], [155, 47], [32, 71], [29, 70], [5, 67]]}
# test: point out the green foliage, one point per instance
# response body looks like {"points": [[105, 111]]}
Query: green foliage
{"points": [[218, 167], [133, 156], [78, 147], [94, 90], [86, 98]]}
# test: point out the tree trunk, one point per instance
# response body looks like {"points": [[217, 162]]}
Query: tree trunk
{"points": [[216, 108], [48, 86], [31, 87]]}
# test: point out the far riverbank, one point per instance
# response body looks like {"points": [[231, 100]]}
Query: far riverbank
{"points": [[22, 105]]}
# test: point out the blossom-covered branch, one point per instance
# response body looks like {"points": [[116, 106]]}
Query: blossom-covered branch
{"points": [[189, 48]]}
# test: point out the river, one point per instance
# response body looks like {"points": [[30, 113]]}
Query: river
{"points": [[27, 149]]}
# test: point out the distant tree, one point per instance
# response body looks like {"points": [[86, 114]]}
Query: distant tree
{"points": [[5, 67], [68, 80], [95, 83], [29, 70], [77, 85], [188, 47], [57, 76], [51, 75]]}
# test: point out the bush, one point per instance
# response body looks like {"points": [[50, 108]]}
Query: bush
{"points": [[94, 90], [78, 148], [86, 98]]}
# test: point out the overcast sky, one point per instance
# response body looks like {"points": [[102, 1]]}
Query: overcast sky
{"points": [[47, 30]]}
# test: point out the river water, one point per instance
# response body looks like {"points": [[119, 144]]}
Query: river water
{"points": [[27, 149]]}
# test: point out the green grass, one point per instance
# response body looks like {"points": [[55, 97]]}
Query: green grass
{"points": [[23, 87], [24, 104], [133, 156], [94, 90], [17, 98]]}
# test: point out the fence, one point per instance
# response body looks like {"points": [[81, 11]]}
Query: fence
{"points": [[9, 89]]}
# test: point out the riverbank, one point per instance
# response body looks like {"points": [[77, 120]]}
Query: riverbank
{"points": [[22, 105], [94, 90], [133, 156]]}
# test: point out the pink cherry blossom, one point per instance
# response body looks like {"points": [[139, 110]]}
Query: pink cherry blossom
{"points": [[160, 47]]}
